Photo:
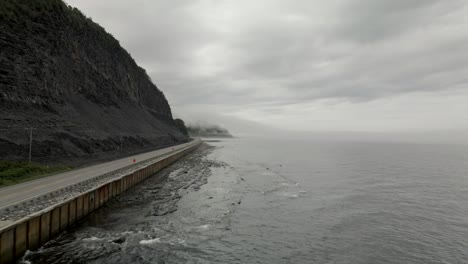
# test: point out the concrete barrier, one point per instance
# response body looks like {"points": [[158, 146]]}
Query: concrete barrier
{"points": [[85, 204], [21, 234], [35, 230], [55, 222], [7, 245], [72, 212], [64, 216], [45, 228]]}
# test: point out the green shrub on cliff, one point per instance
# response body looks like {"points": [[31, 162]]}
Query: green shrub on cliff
{"points": [[16, 9], [21, 11]]}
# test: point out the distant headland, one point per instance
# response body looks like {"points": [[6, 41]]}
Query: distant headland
{"points": [[208, 130]]}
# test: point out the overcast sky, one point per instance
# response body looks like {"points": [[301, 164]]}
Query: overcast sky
{"points": [[334, 65]]}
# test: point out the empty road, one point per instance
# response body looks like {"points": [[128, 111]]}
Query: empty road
{"points": [[25, 191]]}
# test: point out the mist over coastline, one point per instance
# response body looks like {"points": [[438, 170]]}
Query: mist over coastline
{"points": [[203, 129], [252, 129]]}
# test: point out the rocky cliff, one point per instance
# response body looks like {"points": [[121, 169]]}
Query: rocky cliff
{"points": [[81, 93]]}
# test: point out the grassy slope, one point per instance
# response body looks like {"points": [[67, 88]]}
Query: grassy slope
{"points": [[17, 172]]}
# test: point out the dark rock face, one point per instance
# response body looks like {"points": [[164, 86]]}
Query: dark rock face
{"points": [[70, 80], [181, 125]]}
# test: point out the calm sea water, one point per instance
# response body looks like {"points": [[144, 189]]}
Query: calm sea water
{"points": [[265, 201]]}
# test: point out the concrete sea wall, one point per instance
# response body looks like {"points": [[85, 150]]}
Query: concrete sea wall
{"points": [[36, 229]]}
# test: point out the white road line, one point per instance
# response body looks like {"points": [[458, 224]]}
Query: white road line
{"points": [[59, 181]]}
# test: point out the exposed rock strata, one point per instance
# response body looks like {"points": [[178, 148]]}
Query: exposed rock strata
{"points": [[70, 80]]}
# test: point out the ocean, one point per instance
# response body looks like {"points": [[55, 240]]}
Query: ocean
{"points": [[252, 200]]}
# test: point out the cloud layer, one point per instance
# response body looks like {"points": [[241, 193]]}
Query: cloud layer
{"points": [[366, 65]]}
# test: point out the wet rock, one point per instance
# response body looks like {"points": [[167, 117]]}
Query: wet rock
{"points": [[161, 189], [119, 240]]}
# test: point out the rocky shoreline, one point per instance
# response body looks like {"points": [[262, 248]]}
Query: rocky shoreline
{"points": [[22, 210]]}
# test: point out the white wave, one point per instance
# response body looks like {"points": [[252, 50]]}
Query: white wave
{"points": [[177, 241], [93, 238], [150, 241], [290, 195], [203, 227]]}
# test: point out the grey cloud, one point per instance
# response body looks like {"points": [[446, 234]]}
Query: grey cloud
{"points": [[371, 20], [272, 53]]}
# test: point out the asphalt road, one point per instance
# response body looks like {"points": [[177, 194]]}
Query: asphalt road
{"points": [[25, 191]]}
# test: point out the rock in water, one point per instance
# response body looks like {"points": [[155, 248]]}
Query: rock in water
{"points": [[72, 82]]}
